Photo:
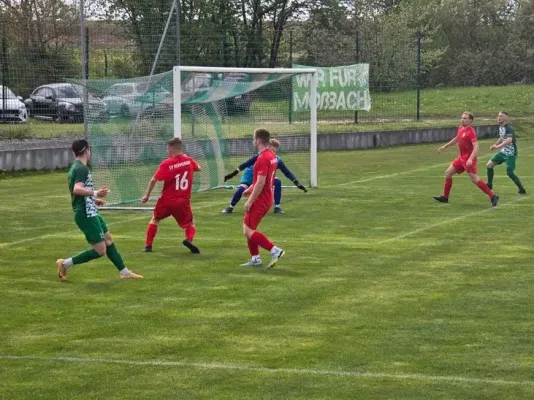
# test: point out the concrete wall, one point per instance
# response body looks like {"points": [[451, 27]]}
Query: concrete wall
{"points": [[56, 153]]}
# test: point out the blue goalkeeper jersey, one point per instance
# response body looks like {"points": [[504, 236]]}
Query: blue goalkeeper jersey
{"points": [[248, 176]]}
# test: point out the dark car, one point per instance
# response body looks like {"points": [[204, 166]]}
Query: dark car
{"points": [[239, 103], [62, 102]]}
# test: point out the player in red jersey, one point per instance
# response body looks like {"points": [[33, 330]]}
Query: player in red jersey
{"points": [[260, 201], [466, 138], [176, 172]]}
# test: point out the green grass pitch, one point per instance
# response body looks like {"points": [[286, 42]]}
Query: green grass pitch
{"points": [[383, 294]]}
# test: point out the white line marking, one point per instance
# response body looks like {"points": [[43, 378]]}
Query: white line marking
{"points": [[374, 178], [63, 233], [487, 156], [303, 371], [448, 221]]}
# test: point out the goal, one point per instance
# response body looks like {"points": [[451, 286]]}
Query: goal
{"points": [[213, 110]]}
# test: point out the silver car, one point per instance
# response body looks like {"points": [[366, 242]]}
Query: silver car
{"points": [[12, 109], [129, 98]]}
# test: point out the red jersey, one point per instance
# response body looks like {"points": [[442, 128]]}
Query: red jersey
{"points": [[177, 176], [466, 136], [266, 165]]}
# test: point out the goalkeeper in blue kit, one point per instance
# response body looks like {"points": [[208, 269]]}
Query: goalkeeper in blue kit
{"points": [[246, 180]]}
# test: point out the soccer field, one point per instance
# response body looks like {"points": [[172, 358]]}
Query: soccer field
{"points": [[383, 294]]}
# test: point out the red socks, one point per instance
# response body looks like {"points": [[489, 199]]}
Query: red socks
{"points": [[190, 232], [151, 231], [259, 239], [485, 189], [253, 248], [448, 187]]}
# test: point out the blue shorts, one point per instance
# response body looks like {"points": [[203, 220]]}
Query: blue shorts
{"points": [[248, 176]]}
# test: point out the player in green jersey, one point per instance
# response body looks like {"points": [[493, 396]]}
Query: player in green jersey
{"points": [[508, 154], [85, 199]]}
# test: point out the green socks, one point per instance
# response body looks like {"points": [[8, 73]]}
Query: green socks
{"points": [[516, 180], [491, 172], [85, 256], [115, 257]]}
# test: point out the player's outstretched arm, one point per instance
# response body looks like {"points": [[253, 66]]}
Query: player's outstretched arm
{"points": [[289, 175], [249, 163], [449, 144]]}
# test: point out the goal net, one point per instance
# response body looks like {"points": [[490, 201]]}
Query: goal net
{"points": [[213, 110]]}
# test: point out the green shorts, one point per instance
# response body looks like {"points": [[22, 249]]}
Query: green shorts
{"points": [[92, 227], [499, 158]]}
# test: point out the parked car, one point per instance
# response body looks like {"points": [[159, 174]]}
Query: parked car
{"points": [[129, 98], [241, 102], [61, 102], [12, 109], [195, 88]]}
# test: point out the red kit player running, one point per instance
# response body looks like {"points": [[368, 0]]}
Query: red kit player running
{"points": [[468, 146], [260, 201], [176, 172]]}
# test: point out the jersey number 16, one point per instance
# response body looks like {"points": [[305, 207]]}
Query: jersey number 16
{"points": [[181, 181]]}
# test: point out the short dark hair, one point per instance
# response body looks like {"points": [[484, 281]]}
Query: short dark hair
{"points": [[263, 135], [470, 115], [504, 112], [80, 146], [176, 143]]}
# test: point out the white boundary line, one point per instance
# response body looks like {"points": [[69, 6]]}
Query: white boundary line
{"points": [[302, 371], [443, 164], [63, 233], [448, 221]]}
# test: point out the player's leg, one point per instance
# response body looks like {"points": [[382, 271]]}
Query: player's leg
{"points": [[116, 258], [184, 217], [236, 197], [94, 235], [497, 159], [472, 172], [161, 211], [510, 168], [277, 183], [256, 239], [454, 168]]}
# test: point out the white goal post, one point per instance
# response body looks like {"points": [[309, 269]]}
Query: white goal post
{"points": [[287, 72]]}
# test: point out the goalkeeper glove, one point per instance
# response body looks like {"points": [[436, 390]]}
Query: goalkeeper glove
{"points": [[231, 175], [297, 184]]}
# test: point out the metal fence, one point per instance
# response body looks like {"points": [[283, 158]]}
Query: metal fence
{"points": [[113, 52]]}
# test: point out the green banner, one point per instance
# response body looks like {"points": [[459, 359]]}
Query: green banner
{"points": [[338, 88]]}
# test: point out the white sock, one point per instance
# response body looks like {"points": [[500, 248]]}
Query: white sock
{"points": [[277, 206], [125, 271], [274, 250], [256, 258], [67, 263]]}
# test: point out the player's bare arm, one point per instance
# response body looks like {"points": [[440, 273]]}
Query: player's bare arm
{"points": [[150, 188], [80, 190], [449, 144], [473, 153], [501, 143], [258, 187]]}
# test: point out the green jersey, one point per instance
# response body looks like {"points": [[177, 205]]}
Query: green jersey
{"points": [[84, 205], [505, 132]]}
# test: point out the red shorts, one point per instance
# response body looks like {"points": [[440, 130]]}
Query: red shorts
{"points": [[253, 217], [460, 165], [180, 209]]}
